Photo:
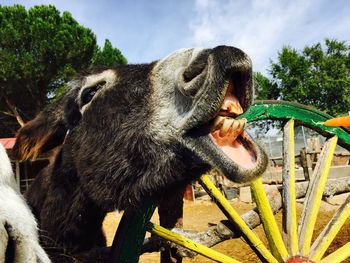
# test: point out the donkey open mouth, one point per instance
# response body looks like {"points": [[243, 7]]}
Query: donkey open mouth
{"points": [[228, 133], [219, 84]]}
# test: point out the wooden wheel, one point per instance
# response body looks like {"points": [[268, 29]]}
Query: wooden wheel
{"points": [[295, 243]]}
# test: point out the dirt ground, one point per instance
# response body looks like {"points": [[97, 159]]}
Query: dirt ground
{"points": [[198, 214]]}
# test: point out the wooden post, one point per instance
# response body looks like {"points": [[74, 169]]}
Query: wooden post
{"points": [[303, 163], [314, 147]]}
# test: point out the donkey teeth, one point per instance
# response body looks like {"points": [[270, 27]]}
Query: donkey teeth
{"points": [[226, 126], [237, 128], [219, 120], [235, 125], [242, 124], [234, 107]]}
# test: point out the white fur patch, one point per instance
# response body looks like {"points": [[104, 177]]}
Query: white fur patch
{"points": [[109, 76], [6, 173], [15, 213]]}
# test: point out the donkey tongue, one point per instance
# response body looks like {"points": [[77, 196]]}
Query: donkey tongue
{"points": [[239, 154], [234, 149], [227, 140]]}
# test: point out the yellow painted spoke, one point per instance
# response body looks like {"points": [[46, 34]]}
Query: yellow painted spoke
{"points": [[339, 255], [189, 244], [290, 230], [252, 239], [331, 230], [273, 234], [314, 195]]}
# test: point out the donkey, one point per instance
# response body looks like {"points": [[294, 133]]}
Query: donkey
{"points": [[134, 132]]}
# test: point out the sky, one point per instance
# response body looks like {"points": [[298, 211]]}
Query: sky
{"points": [[147, 30]]}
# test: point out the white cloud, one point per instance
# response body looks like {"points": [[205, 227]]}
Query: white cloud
{"points": [[148, 30], [261, 27]]}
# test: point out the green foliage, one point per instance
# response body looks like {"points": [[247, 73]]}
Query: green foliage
{"points": [[318, 76], [264, 88], [40, 49], [108, 56]]}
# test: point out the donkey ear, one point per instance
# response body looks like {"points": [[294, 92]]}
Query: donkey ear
{"points": [[48, 129]]}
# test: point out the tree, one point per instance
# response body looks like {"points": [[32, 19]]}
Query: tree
{"points": [[108, 56], [318, 76], [264, 88], [40, 49]]}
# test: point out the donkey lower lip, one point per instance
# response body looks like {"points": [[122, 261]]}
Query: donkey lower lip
{"points": [[237, 148]]}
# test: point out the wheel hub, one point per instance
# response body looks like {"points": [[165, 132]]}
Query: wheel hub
{"points": [[299, 259]]}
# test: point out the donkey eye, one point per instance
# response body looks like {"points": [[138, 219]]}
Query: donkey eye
{"points": [[88, 93]]}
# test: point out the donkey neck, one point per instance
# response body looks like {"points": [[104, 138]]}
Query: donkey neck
{"points": [[68, 215]]}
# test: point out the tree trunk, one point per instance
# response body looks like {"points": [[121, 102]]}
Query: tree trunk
{"points": [[13, 109]]}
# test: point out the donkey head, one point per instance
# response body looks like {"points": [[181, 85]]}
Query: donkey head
{"points": [[137, 130]]}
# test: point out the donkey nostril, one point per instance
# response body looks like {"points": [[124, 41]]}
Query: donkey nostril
{"points": [[196, 66], [192, 79], [193, 71], [193, 76]]}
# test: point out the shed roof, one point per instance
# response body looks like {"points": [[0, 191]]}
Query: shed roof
{"points": [[8, 143]]}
